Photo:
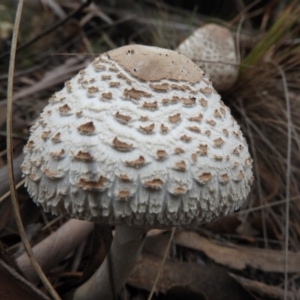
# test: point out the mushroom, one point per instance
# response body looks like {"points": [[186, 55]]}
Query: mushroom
{"points": [[139, 140], [212, 48]]}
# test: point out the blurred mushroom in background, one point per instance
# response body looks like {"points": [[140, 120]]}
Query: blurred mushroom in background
{"points": [[212, 48]]}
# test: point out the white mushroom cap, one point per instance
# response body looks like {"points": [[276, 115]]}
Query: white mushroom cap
{"points": [[212, 48], [139, 138]]}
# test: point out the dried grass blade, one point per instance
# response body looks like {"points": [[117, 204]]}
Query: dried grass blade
{"points": [[288, 174], [273, 36], [13, 192]]}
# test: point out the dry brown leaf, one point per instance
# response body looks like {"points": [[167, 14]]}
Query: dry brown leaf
{"points": [[237, 257], [193, 278], [13, 286], [262, 289]]}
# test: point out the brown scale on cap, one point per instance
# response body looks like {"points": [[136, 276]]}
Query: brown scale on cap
{"points": [[178, 150], [113, 69], [122, 76], [87, 128], [83, 156], [197, 118], [194, 129], [203, 102], [219, 142], [236, 151], [53, 99], [34, 177], [98, 67], [30, 144], [57, 155], [203, 149], [225, 178], [84, 84], [211, 122], [251, 180], [114, 84], [207, 132], [122, 118], [79, 114], [217, 114], [206, 90], [144, 118], [235, 133], [161, 154], [45, 134], [64, 110], [225, 131], [155, 184], [194, 156], [175, 99], [106, 96], [135, 94], [147, 129], [235, 165], [218, 157], [189, 101], [123, 194], [179, 190], [121, 146], [150, 105], [205, 177], [92, 90], [56, 138], [180, 166], [52, 174], [106, 77], [178, 87], [93, 185], [248, 162], [223, 111], [25, 168], [175, 118], [240, 176], [163, 128], [185, 138], [162, 88], [138, 163], [124, 177], [166, 101], [68, 86]]}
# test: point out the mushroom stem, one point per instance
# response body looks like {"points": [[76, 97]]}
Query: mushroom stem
{"points": [[117, 266]]}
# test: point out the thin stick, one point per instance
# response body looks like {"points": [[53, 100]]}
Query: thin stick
{"points": [[288, 176], [162, 263], [10, 169]]}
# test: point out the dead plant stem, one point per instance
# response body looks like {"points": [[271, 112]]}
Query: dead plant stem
{"points": [[9, 142]]}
